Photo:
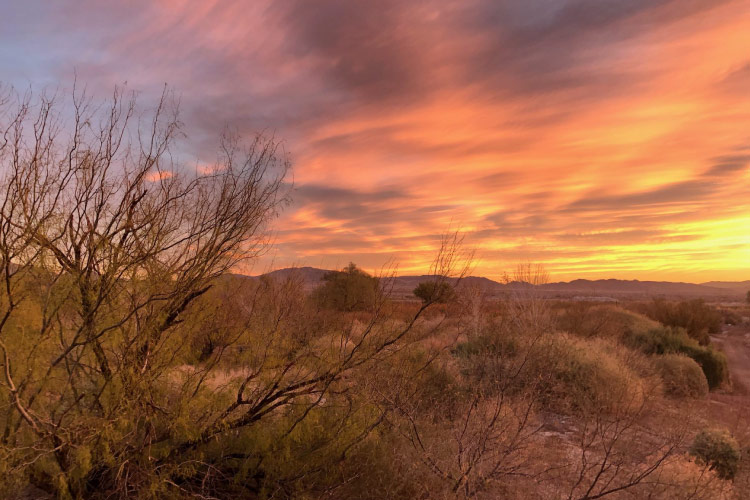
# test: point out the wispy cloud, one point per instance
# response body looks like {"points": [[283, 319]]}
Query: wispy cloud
{"points": [[601, 137]]}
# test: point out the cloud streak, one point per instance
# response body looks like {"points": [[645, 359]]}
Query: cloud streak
{"points": [[600, 137]]}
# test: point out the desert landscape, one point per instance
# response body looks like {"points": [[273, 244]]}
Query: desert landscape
{"points": [[375, 250]]}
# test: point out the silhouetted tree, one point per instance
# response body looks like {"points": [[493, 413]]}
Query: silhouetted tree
{"points": [[350, 289], [435, 292]]}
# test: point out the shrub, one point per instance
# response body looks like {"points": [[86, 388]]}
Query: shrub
{"points": [[350, 289], [731, 316], [668, 340], [607, 321], [717, 449], [682, 376], [487, 344], [581, 375], [695, 316], [713, 363], [660, 340], [434, 292]]}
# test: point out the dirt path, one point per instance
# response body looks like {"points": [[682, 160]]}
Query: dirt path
{"points": [[734, 341]]}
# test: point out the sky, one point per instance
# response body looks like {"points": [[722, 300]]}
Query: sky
{"points": [[599, 138]]}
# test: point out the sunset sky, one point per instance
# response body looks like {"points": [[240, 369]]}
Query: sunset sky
{"points": [[601, 138]]}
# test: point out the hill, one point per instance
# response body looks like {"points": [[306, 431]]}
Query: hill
{"points": [[740, 286], [403, 285]]}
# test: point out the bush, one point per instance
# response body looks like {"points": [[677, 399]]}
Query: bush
{"points": [[660, 340], [668, 340], [695, 316], [606, 321], [487, 344], [713, 363], [717, 449], [582, 375], [731, 316], [682, 376], [350, 289], [435, 292]]}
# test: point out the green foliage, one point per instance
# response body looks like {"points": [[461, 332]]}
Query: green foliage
{"points": [[577, 375], [350, 289], [668, 340], [695, 316], [717, 449], [714, 365], [682, 376], [487, 344], [660, 340], [592, 320], [435, 292]]}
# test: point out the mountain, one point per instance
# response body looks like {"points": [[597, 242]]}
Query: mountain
{"points": [[308, 274], [741, 286], [402, 286], [636, 287]]}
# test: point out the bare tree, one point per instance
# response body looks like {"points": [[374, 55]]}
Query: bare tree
{"points": [[105, 241]]}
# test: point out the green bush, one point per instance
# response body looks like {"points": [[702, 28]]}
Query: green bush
{"points": [[435, 291], [714, 365], [660, 340], [717, 449], [487, 344], [695, 316], [595, 320], [669, 340], [682, 376], [350, 289], [578, 375]]}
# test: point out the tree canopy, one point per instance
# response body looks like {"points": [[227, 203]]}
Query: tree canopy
{"points": [[350, 289]]}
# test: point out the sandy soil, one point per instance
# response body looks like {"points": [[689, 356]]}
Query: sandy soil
{"points": [[734, 341]]}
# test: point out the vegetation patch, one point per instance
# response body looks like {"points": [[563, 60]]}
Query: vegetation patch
{"points": [[719, 450], [682, 376], [671, 340], [582, 375], [697, 318]]}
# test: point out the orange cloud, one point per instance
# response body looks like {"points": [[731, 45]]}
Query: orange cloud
{"points": [[602, 139], [158, 175]]}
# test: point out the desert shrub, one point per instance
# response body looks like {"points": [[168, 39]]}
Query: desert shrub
{"points": [[593, 320], [487, 359], [669, 340], [435, 291], [682, 376], [575, 375], [713, 363], [682, 478], [350, 289], [660, 340], [717, 449], [487, 344], [697, 318], [731, 316]]}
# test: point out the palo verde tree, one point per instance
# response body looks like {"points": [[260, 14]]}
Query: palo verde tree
{"points": [[105, 242], [111, 252]]}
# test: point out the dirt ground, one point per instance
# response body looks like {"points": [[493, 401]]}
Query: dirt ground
{"points": [[730, 407], [734, 341]]}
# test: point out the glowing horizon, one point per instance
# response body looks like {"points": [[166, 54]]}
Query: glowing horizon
{"points": [[602, 139]]}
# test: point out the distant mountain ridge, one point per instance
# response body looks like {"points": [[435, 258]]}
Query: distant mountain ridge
{"points": [[742, 286], [312, 277]]}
